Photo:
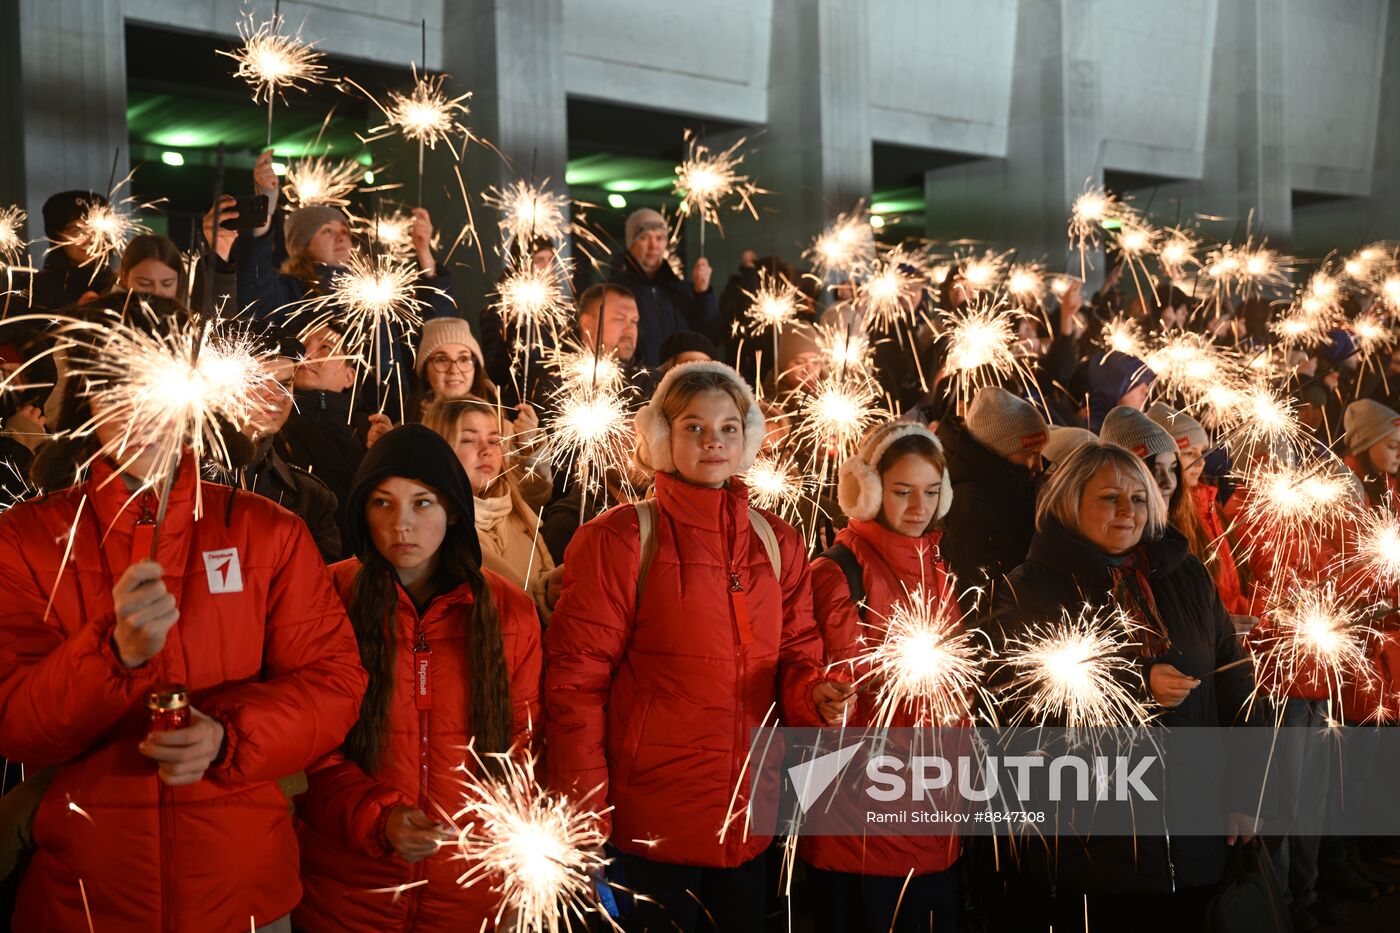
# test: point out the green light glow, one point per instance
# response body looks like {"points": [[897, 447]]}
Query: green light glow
{"points": [[172, 158]]}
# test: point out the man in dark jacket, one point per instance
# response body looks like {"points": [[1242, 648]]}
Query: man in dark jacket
{"points": [[993, 461], [665, 304]]}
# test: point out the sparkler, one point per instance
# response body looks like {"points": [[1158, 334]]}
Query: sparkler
{"points": [[845, 248], [835, 413], [272, 63], [168, 384], [776, 484], [888, 297], [1086, 219], [1135, 237], [1078, 671], [1288, 509], [1025, 281], [844, 349], [1373, 333], [923, 663], [1124, 335], [1177, 251], [1188, 364], [532, 300], [391, 232], [1313, 640], [1315, 312], [1257, 415], [705, 180], [1390, 291], [981, 273], [540, 850], [105, 228], [981, 347], [591, 432], [578, 366], [772, 306], [12, 241], [1361, 266], [527, 212], [1377, 555], [322, 181], [426, 116]]}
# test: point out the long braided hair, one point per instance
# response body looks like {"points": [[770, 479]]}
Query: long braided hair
{"points": [[373, 606]]}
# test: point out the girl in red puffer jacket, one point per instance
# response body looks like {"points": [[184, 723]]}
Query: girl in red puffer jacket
{"points": [[892, 491], [453, 655], [661, 660]]}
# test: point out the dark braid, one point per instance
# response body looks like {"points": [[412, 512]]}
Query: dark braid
{"points": [[373, 599]]}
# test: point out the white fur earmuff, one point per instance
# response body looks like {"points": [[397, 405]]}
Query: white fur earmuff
{"points": [[653, 451], [859, 490]]}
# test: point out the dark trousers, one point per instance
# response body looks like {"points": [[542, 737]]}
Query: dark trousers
{"points": [[689, 899], [852, 903]]}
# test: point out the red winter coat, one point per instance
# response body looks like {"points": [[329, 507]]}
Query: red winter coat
{"points": [[890, 563], [648, 705], [264, 644], [345, 855], [1377, 699], [1223, 569]]}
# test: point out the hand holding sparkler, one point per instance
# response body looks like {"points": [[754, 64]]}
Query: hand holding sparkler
{"points": [[266, 181], [412, 835], [421, 234], [1169, 686], [227, 209], [145, 611], [834, 701]]}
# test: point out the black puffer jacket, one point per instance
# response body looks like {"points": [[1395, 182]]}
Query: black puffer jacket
{"points": [[666, 305], [989, 527], [1063, 571]]}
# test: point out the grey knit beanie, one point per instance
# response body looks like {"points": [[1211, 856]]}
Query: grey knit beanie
{"points": [[1005, 424], [1185, 430], [1367, 423], [640, 221], [1129, 428], [303, 223], [1065, 441]]}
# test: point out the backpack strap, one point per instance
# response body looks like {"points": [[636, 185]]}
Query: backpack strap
{"points": [[646, 541], [846, 559], [770, 542]]}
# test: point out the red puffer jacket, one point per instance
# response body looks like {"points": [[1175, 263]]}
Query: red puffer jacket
{"points": [[346, 862], [264, 644], [890, 564], [1376, 699], [648, 705], [1223, 569]]}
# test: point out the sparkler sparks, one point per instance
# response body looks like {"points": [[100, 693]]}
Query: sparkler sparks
{"points": [[272, 63], [888, 297], [322, 181], [1136, 237], [835, 413], [923, 663], [12, 241], [529, 212], [426, 115], [104, 230], [1076, 672], [1188, 364], [1313, 641], [1025, 281], [391, 232], [532, 300], [773, 306], [578, 366], [981, 273], [844, 349], [981, 347], [539, 850], [1377, 555], [591, 431], [1087, 215], [705, 180], [776, 484], [1177, 251], [1124, 335], [844, 248], [1373, 333]]}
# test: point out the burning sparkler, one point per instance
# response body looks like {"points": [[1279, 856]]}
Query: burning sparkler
{"points": [[578, 366], [1135, 237], [426, 116], [591, 431], [528, 212], [391, 233], [844, 349], [533, 301], [1289, 509], [1079, 672], [922, 662], [12, 241], [322, 181], [1373, 333], [1086, 220], [845, 248], [982, 273], [1312, 640], [835, 413], [1124, 335], [105, 228], [1025, 282], [705, 180], [981, 347], [1189, 365], [888, 297], [272, 63], [540, 850], [1177, 251], [1377, 555], [776, 484]]}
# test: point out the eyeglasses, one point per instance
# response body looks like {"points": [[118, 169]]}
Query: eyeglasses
{"points": [[443, 364]]}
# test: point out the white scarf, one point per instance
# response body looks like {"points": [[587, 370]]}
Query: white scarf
{"points": [[490, 512]]}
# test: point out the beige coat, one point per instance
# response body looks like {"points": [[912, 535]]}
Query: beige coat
{"points": [[511, 547]]}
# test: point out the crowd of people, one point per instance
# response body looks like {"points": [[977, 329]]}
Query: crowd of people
{"points": [[390, 566]]}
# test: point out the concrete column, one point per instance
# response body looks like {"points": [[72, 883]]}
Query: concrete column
{"points": [[1054, 140], [816, 153], [63, 109], [509, 54]]}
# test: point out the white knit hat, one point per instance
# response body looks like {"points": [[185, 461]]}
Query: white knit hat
{"points": [[1367, 423], [859, 490], [1005, 424], [441, 331], [1065, 441], [653, 453], [1185, 430], [1129, 428]]}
